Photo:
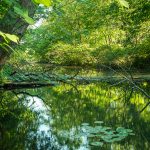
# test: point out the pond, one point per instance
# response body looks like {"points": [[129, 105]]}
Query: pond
{"points": [[74, 115]]}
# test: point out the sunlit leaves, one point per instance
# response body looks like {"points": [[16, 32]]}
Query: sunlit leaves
{"points": [[124, 3], [11, 37], [7, 38], [99, 31], [44, 2]]}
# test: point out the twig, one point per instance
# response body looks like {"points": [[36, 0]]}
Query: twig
{"points": [[119, 82], [131, 80]]}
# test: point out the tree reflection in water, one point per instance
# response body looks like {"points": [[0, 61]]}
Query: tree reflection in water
{"points": [[26, 125]]}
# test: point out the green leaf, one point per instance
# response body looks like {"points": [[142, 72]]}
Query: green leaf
{"points": [[8, 2], [11, 37], [23, 14], [124, 3], [85, 124], [120, 129], [44, 2], [3, 35]]}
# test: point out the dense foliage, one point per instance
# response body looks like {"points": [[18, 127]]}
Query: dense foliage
{"points": [[91, 32]]}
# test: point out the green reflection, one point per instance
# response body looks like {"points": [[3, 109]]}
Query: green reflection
{"points": [[116, 106], [68, 108], [20, 126]]}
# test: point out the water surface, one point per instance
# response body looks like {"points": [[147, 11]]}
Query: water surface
{"points": [[52, 118]]}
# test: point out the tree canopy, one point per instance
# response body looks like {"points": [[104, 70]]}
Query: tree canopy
{"points": [[101, 32]]}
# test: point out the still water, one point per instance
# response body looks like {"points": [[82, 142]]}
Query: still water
{"points": [[77, 116]]}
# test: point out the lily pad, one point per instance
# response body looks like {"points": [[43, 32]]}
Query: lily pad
{"points": [[85, 124], [97, 143], [99, 122]]}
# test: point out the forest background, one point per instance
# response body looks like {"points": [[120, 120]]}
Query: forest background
{"points": [[81, 33]]}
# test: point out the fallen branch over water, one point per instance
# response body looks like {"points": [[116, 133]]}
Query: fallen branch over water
{"points": [[24, 85], [114, 81], [79, 80]]}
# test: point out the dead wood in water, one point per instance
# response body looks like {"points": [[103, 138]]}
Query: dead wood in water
{"points": [[79, 80], [23, 85]]}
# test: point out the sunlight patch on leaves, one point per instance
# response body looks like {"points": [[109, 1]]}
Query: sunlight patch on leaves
{"points": [[44, 2], [11, 37], [124, 3]]}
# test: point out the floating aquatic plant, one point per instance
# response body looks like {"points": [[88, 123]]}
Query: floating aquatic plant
{"points": [[101, 134], [98, 134]]}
